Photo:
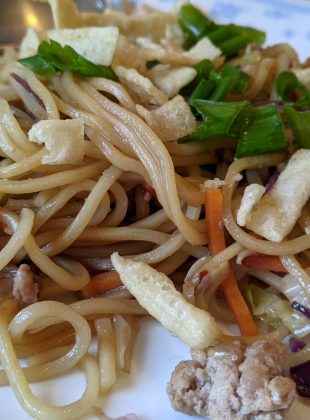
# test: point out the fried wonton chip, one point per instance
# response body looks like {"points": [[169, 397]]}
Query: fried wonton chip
{"points": [[30, 43], [171, 80], [63, 140], [66, 15], [171, 121], [204, 49], [140, 87], [279, 209], [96, 44]]}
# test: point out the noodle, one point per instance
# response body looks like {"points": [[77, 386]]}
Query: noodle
{"points": [[138, 186]]}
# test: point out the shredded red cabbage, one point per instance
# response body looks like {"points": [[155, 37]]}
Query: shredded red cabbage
{"points": [[272, 180], [305, 311], [301, 373], [27, 87], [301, 376], [296, 345]]}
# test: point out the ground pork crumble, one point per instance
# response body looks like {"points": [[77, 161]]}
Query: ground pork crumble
{"points": [[234, 382], [25, 290]]}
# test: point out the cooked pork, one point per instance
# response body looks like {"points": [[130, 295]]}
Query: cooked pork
{"points": [[25, 290], [234, 382]]}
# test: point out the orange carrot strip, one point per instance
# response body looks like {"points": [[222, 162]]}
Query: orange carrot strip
{"points": [[102, 282], [214, 217], [264, 262], [216, 241], [269, 262]]}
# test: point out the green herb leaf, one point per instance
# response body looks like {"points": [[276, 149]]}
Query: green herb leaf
{"points": [[262, 133], [194, 22], [52, 57], [241, 38], [219, 84], [229, 38], [38, 65], [220, 119], [203, 90], [300, 125], [290, 90]]}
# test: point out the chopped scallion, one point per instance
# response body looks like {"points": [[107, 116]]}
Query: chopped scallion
{"points": [[290, 90], [262, 133], [300, 125], [220, 119]]}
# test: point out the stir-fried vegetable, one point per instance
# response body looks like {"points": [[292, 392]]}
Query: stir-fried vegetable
{"points": [[300, 125], [229, 38], [219, 84], [102, 282], [216, 240], [220, 119], [52, 57], [273, 310], [290, 90], [262, 132]]}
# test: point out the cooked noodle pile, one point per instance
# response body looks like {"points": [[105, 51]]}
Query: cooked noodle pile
{"points": [[131, 188]]}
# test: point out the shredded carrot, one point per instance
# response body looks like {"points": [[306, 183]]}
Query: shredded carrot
{"points": [[102, 282], [269, 262], [216, 241], [264, 262]]}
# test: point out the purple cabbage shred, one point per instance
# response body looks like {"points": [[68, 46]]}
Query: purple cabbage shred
{"points": [[27, 87], [305, 311]]}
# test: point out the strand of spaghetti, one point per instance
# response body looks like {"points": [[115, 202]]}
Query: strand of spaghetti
{"points": [[91, 120], [145, 143], [63, 338], [202, 159], [74, 91], [8, 148], [116, 157], [51, 181], [115, 89], [22, 166], [43, 196], [31, 404], [196, 148], [85, 214], [14, 130], [224, 256], [170, 264], [41, 91], [262, 71], [75, 281], [56, 312], [58, 201], [106, 306], [120, 206], [20, 234], [170, 247], [153, 221], [90, 98], [287, 247], [62, 223], [189, 192], [47, 355], [294, 268], [149, 148]]}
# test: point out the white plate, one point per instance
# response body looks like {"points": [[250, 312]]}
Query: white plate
{"points": [[157, 352]]}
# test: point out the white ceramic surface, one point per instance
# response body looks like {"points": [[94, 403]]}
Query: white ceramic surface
{"points": [[157, 352]]}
